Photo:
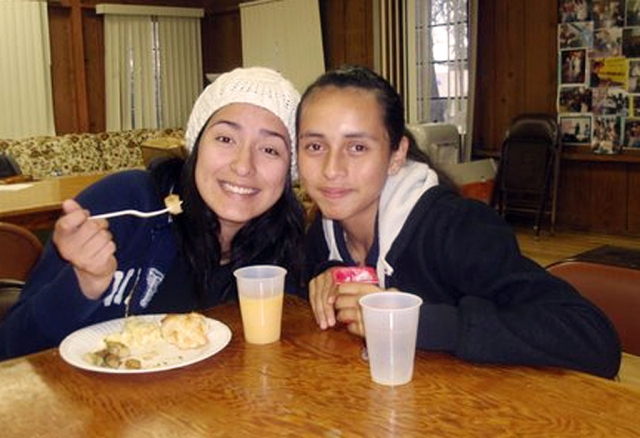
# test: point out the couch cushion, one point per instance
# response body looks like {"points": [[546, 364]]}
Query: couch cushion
{"points": [[43, 157], [122, 150], [69, 154]]}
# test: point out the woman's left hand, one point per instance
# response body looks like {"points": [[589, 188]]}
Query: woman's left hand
{"points": [[348, 310]]}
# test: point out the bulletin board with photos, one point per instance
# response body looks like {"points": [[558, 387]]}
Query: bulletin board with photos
{"points": [[599, 74]]}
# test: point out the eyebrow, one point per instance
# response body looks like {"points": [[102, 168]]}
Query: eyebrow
{"points": [[351, 135], [270, 133], [238, 127]]}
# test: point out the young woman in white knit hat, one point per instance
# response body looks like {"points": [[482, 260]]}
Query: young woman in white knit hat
{"points": [[238, 208]]}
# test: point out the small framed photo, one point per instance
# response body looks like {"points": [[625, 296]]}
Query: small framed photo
{"points": [[575, 129]]}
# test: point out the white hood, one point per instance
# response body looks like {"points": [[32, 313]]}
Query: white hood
{"points": [[400, 194]]}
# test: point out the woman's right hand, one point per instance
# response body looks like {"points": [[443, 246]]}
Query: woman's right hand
{"points": [[88, 246], [322, 295]]}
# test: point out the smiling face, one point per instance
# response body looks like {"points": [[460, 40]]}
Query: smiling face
{"points": [[344, 154], [243, 163]]}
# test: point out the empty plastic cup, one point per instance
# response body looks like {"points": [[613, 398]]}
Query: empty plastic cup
{"points": [[391, 328]]}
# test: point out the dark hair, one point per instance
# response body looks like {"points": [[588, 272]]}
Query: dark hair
{"points": [[351, 76], [390, 101], [274, 237]]}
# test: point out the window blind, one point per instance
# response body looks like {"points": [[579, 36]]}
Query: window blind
{"points": [[180, 66], [153, 65], [25, 78]]}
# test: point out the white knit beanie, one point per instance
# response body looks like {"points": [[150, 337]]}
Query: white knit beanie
{"points": [[259, 86]]}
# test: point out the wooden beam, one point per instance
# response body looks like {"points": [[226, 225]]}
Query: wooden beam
{"points": [[77, 45]]}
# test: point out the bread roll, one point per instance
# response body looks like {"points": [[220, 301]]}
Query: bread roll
{"points": [[187, 330]]}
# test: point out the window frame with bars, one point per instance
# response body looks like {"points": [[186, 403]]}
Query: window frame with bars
{"points": [[450, 87], [403, 57]]}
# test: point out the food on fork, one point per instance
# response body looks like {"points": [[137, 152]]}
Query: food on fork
{"points": [[173, 204]]}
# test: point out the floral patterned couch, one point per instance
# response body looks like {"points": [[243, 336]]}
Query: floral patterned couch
{"points": [[70, 154]]}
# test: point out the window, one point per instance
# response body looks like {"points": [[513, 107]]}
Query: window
{"points": [[427, 52], [442, 61], [153, 65]]}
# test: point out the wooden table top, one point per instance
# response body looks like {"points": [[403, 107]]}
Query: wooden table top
{"points": [[310, 383], [38, 205]]}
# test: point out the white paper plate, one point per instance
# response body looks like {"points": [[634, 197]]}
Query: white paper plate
{"points": [[163, 356]]}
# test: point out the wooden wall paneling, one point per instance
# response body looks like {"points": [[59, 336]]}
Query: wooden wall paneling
{"points": [[93, 36], [368, 29], [574, 195], [333, 21], [633, 190], [541, 48], [552, 59], [358, 32], [221, 41], [220, 5], [500, 72], [594, 196], [80, 82], [176, 3], [609, 197], [347, 32], [62, 70], [516, 65], [515, 75], [486, 101]]}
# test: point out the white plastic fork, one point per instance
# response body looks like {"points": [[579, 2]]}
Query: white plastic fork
{"points": [[130, 212]]}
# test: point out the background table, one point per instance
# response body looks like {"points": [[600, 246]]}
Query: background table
{"points": [[37, 207], [311, 383]]}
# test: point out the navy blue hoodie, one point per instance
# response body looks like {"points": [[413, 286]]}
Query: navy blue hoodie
{"points": [[51, 305], [483, 300]]}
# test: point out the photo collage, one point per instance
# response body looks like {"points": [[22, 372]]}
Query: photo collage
{"points": [[599, 74]]}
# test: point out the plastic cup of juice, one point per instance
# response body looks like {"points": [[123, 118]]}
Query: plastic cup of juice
{"points": [[261, 294]]}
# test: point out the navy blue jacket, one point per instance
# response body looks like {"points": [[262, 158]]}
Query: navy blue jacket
{"points": [[150, 269], [483, 300]]}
